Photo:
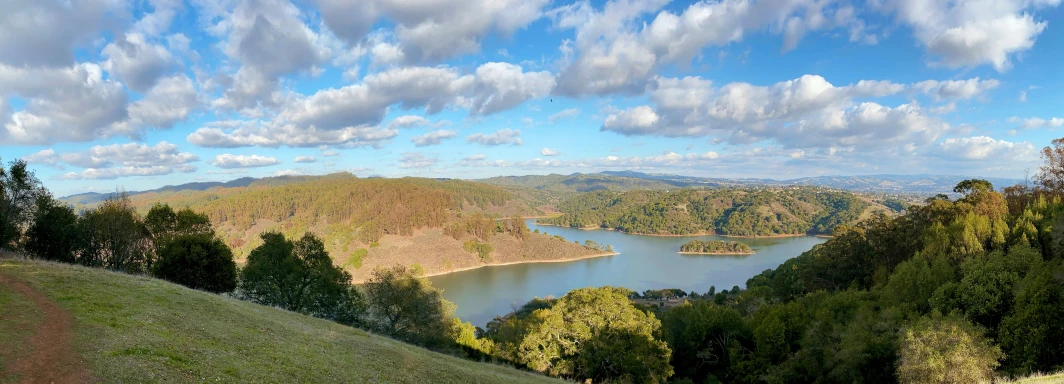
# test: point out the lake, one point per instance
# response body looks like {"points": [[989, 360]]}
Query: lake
{"points": [[644, 262]]}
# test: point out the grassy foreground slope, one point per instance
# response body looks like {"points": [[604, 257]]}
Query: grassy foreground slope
{"points": [[138, 329]]}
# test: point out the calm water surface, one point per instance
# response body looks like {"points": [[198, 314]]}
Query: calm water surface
{"points": [[644, 262]]}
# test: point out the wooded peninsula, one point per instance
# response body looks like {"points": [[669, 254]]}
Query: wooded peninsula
{"points": [[715, 247]]}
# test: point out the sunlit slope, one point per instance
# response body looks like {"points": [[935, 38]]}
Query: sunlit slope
{"points": [[136, 329]]}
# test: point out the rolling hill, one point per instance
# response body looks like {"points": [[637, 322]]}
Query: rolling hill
{"points": [[119, 328]]}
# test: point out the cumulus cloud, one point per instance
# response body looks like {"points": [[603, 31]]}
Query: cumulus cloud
{"points": [[416, 160], [243, 161], [232, 134], [119, 160], [985, 148], [44, 33], [549, 152], [305, 159], [500, 137], [171, 100], [971, 33], [431, 31], [807, 112], [432, 138], [611, 56], [137, 62], [501, 86]]}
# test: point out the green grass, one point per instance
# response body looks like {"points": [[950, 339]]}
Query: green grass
{"points": [[1049, 378], [138, 329]]}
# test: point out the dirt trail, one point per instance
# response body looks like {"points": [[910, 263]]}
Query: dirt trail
{"points": [[48, 357]]}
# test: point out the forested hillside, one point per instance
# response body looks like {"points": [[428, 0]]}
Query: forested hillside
{"points": [[733, 212], [373, 222]]}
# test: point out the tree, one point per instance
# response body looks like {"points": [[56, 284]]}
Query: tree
{"points": [[945, 349], [408, 308], [1031, 336], [699, 335], [197, 261], [972, 186], [299, 276], [54, 234], [163, 222], [597, 334], [19, 189], [115, 237], [1051, 173]]}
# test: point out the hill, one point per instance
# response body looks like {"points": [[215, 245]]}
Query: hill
{"points": [[125, 328], [631, 180], [374, 222], [733, 212]]}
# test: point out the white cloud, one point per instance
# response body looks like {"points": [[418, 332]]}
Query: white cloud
{"points": [[409, 121], [1037, 122], [1023, 96], [500, 137], [564, 114], [431, 31], [37, 33], [136, 62], [807, 112], [119, 160], [171, 100], [549, 152], [416, 160], [433, 138], [971, 33], [243, 161], [501, 86], [305, 159], [985, 148], [114, 173]]}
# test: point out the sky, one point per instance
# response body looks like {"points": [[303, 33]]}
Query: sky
{"points": [[99, 95]]}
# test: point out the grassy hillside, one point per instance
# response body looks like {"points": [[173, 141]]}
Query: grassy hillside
{"points": [[136, 329]]}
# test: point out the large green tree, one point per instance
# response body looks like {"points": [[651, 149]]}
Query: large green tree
{"points": [[597, 334], [197, 261], [54, 234], [407, 307], [115, 237], [299, 276]]}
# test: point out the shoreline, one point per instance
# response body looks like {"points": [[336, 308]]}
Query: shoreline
{"points": [[718, 253], [520, 262], [687, 235]]}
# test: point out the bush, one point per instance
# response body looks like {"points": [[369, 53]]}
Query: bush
{"points": [[198, 262]]}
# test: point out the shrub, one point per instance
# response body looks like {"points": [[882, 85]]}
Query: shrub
{"points": [[198, 262], [54, 234]]}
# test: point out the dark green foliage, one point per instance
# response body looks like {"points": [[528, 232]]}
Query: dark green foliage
{"points": [[700, 335], [716, 247], [1032, 336], [19, 190], [197, 261], [408, 308], [54, 234], [739, 212], [299, 276], [163, 222]]}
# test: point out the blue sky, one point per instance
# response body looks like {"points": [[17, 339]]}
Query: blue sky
{"points": [[105, 94]]}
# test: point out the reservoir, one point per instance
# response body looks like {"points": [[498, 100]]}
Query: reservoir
{"points": [[644, 262]]}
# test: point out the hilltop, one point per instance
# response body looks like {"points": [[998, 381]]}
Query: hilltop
{"points": [[135, 329], [370, 222]]}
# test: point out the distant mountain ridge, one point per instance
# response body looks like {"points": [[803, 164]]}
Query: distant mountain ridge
{"points": [[631, 180], [618, 180]]}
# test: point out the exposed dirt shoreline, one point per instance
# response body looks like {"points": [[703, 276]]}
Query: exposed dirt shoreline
{"points": [[520, 262], [718, 253], [687, 235]]}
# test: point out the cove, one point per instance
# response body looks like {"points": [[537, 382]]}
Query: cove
{"points": [[644, 262]]}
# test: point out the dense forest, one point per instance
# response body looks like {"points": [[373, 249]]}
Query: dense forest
{"points": [[716, 247], [733, 212]]}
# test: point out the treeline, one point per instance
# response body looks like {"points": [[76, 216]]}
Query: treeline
{"points": [[736, 212], [715, 247], [182, 247]]}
